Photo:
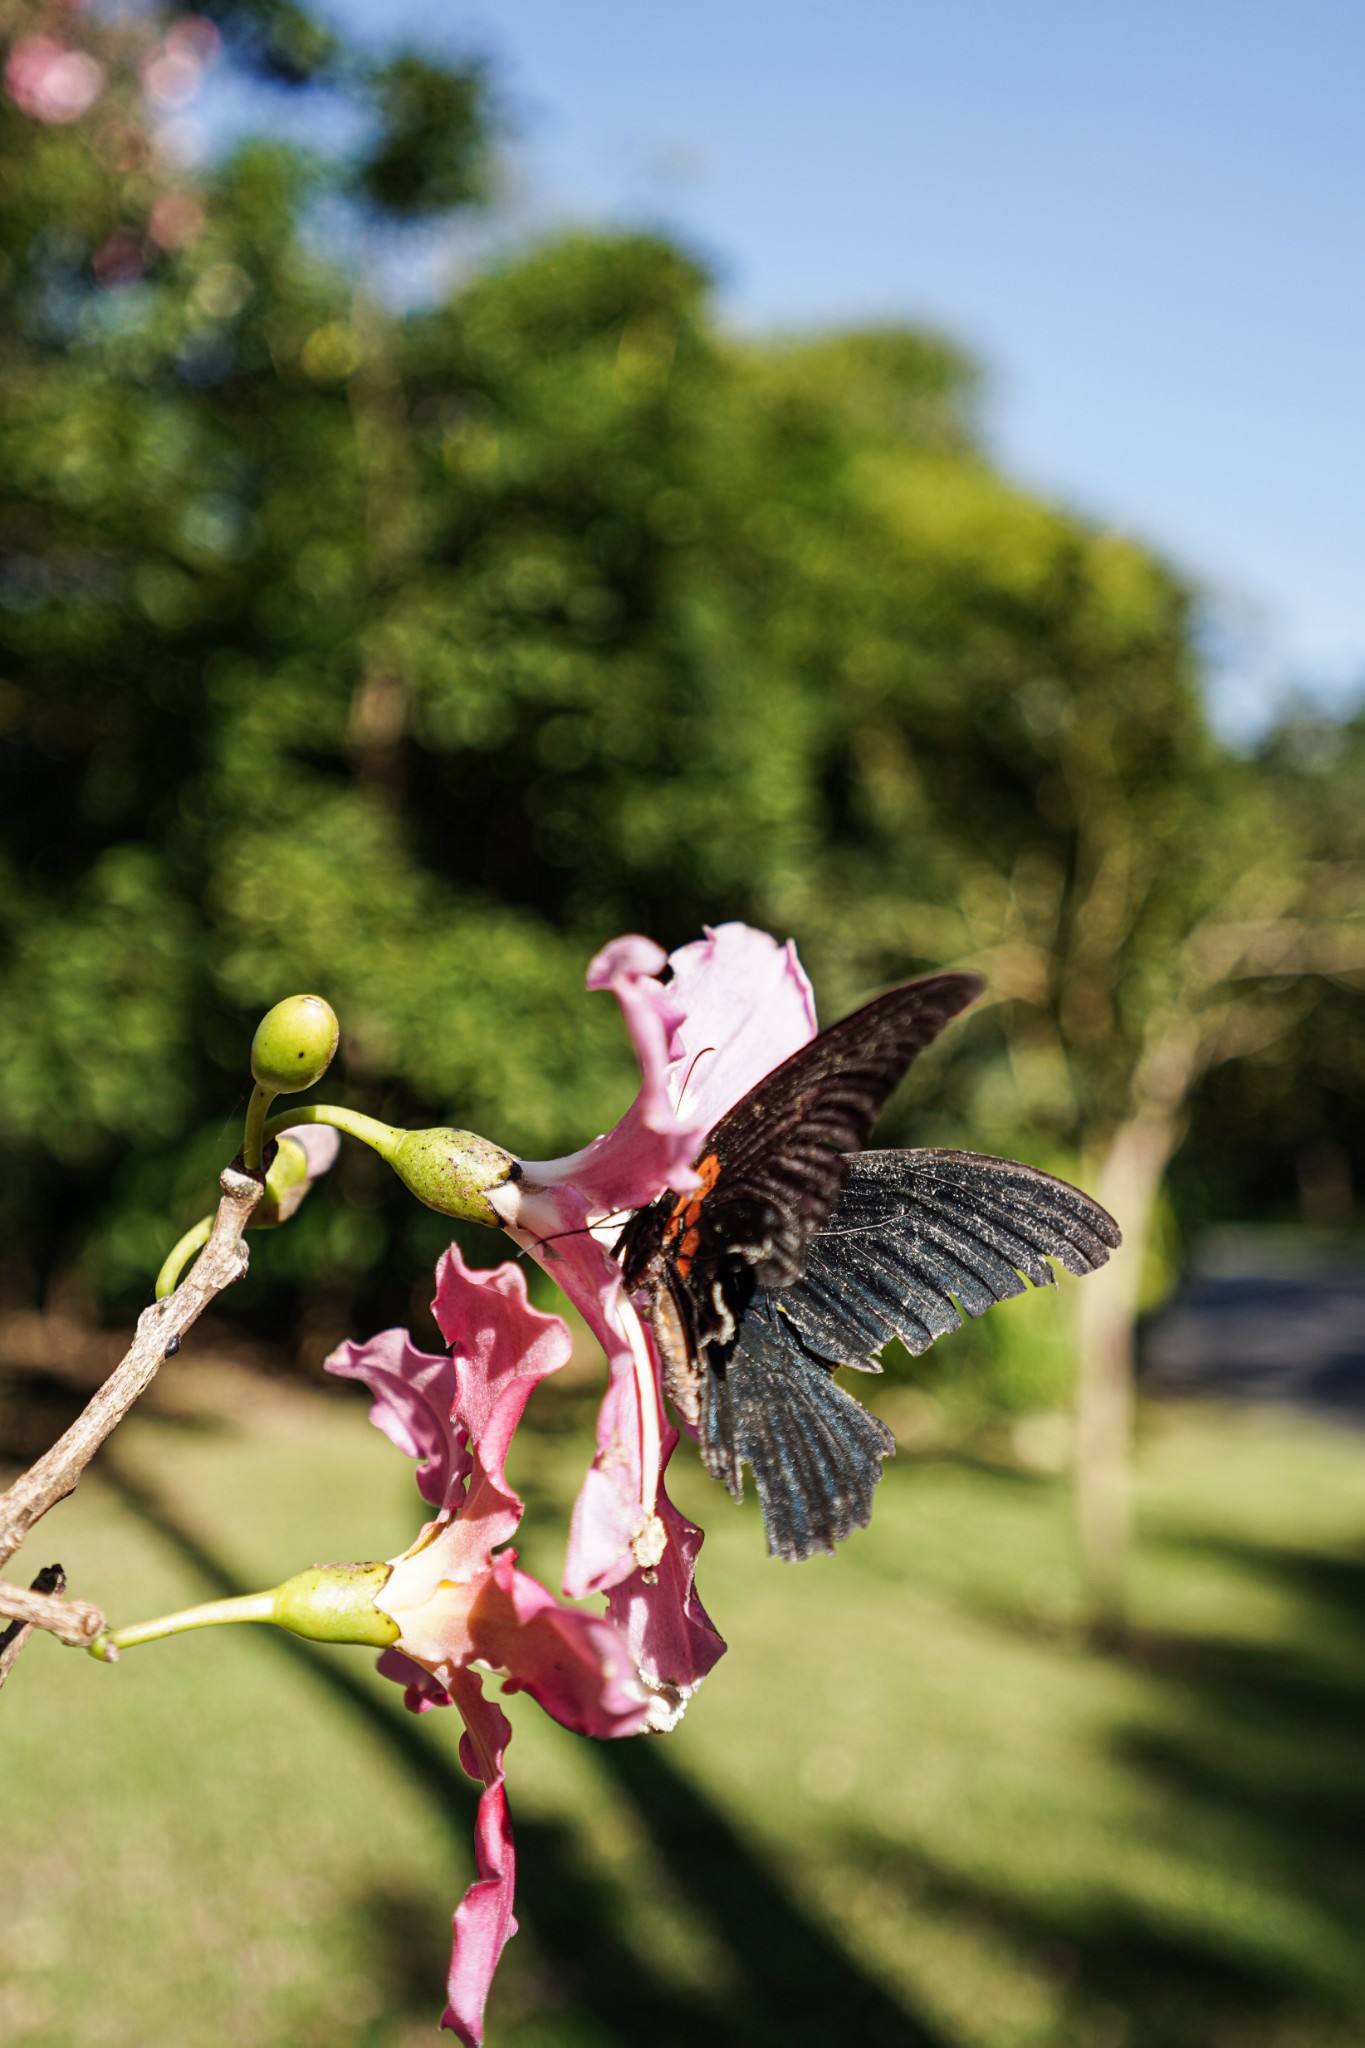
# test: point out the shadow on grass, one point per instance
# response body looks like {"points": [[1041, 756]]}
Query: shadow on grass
{"points": [[1121, 1972], [1254, 1749], [1266, 1739], [788, 1982]]}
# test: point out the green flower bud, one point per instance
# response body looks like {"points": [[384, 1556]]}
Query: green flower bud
{"points": [[334, 1603], [294, 1044], [452, 1171]]}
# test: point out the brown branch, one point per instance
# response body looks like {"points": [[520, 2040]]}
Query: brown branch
{"points": [[51, 1579], [71, 1621], [159, 1330]]}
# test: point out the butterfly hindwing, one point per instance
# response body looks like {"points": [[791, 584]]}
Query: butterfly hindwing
{"points": [[913, 1235], [918, 1233], [815, 1453]]}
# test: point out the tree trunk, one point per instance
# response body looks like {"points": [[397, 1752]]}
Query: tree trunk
{"points": [[1130, 1179]]}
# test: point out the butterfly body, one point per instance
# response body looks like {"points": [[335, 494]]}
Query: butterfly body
{"points": [[797, 1252]]}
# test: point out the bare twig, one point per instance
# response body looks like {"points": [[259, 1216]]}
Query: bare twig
{"points": [[51, 1579], [71, 1621], [159, 1330]]}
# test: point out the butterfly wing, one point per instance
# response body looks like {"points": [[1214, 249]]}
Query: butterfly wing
{"points": [[917, 1233], [815, 1453], [781, 1154], [914, 1234]]}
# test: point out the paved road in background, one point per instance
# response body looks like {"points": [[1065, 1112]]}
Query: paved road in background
{"points": [[1263, 1318]]}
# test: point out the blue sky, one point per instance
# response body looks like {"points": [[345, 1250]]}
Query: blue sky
{"points": [[1148, 221]]}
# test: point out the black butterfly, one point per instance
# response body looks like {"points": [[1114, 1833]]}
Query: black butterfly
{"points": [[800, 1252]]}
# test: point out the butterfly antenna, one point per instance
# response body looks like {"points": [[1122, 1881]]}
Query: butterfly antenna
{"points": [[579, 1229]]}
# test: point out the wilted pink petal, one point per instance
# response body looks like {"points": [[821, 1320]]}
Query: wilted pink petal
{"points": [[421, 1689], [575, 1665], [671, 1636], [414, 1399], [51, 83], [484, 1921]]}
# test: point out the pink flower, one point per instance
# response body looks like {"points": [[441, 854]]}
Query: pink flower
{"points": [[737, 1004], [51, 83], [456, 1602]]}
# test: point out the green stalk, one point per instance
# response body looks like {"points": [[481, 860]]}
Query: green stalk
{"points": [[253, 1137], [245, 1607], [381, 1138], [168, 1279]]}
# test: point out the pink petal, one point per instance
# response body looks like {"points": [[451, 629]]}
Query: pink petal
{"points": [[650, 1148], [422, 1689], [746, 1005], [737, 1005], [663, 1621], [666, 1629], [575, 1665], [431, 1407], [483, 1922], [616, 1495], [502, 1349], [414, 1396]]}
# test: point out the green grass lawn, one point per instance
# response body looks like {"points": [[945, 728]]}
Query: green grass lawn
{"points": [[909, 1806]]}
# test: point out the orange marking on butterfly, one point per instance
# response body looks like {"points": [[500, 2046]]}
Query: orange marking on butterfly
{"points": [[685, 1221]]}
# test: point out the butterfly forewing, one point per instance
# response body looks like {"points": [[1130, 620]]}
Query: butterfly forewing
{"points": [[781, 1153]]}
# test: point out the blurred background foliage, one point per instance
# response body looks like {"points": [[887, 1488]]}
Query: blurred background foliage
{"points": [[409, 653]]}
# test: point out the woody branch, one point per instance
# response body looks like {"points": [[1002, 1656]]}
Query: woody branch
{"points": [[159, 1330]]}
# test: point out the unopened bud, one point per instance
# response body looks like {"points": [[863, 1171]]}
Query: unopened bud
{"points": [[294, 1044], [452, 1171]]}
